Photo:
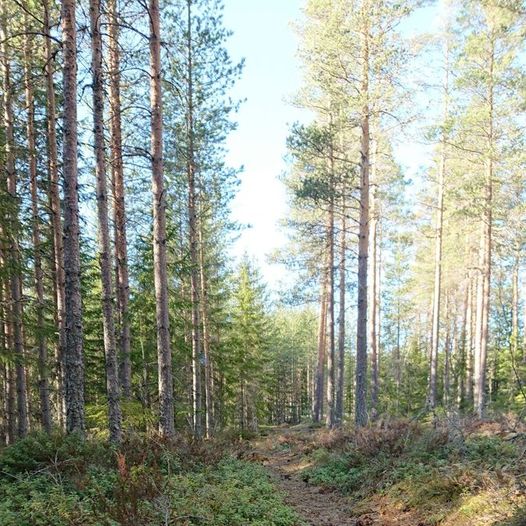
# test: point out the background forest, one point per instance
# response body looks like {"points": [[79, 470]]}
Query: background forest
{"points": [[124, 314]]}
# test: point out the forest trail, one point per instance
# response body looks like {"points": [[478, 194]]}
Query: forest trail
{"points": [[282, 452]]}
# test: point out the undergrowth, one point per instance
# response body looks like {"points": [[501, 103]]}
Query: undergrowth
{"points": [[431, 474], [65, 481]]}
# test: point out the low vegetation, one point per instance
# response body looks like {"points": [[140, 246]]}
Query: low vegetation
{"points": [[406, 473], [434, 473], [63, 481]]}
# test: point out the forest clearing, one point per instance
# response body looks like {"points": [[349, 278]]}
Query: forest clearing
{"points": [[262, 262]]}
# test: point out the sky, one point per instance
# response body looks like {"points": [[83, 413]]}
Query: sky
{"points": [[263, 35]]}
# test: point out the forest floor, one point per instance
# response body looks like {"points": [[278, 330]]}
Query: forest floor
{"points": [[281, 452], [399, 474], [392, 473]]}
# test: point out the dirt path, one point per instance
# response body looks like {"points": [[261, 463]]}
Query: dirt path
{"points": [[282, 455]]}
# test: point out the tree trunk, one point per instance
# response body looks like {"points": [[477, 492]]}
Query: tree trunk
{"points": [[164, 352], [56, 220], [43, 384], [463, 348], [449, 337], [486, 248], [108, 321], [514, 343], [470, 346], [308, 381], [73, 352], [192, 218], [7, 345], [341, 317], [432, 386], [322, 341], [331, 355], [15, 278], [373, 263], [524, 331], [11, 403], [3, 344], [209, 403], [435, 330], [361, 416], [398, 356], [119, 206]]}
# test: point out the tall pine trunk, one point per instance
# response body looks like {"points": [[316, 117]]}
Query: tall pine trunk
{"points": [[524, 332], [209, 379], [3, 343], [331, 355], [73, 351], [435, 329], [192, 219], [450, 352], [119, 204], [56, 220], [437, 283], [483, 299], [43, 383], [108, 322], [470, 343], [463, 347], [319, 380], [15, 268], [373, 285], [361, 416], [514, 343], [7, 343], [164, 352], [341, 317]]}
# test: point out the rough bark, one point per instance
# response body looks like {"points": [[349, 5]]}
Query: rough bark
{"points": [[192, 232], [56, 220], [463, 347], [7, 344], [119, 202], [373, 285], [470, 319], [361, 416], [437, 282], [514, 343], [43, 383], [3, 345], [432, 384], [209, 379], [11, 404], [524, 332], [164, 352], [319, 380], [486, 251], [448, 352], [398, 356], [15, 278], [73, 350], [341, 317], [108, 321], [331, 354]]}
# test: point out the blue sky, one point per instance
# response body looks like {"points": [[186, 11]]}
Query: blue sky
{"points": [[264, 36]]}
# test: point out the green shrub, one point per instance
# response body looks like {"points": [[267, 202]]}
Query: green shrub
{"points": [[490, 450], [418, 468], [55, 452], [65, 481], [234, 493]]}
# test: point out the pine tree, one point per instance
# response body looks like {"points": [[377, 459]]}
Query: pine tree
{"points": [[166, 404], [110, 349]]}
